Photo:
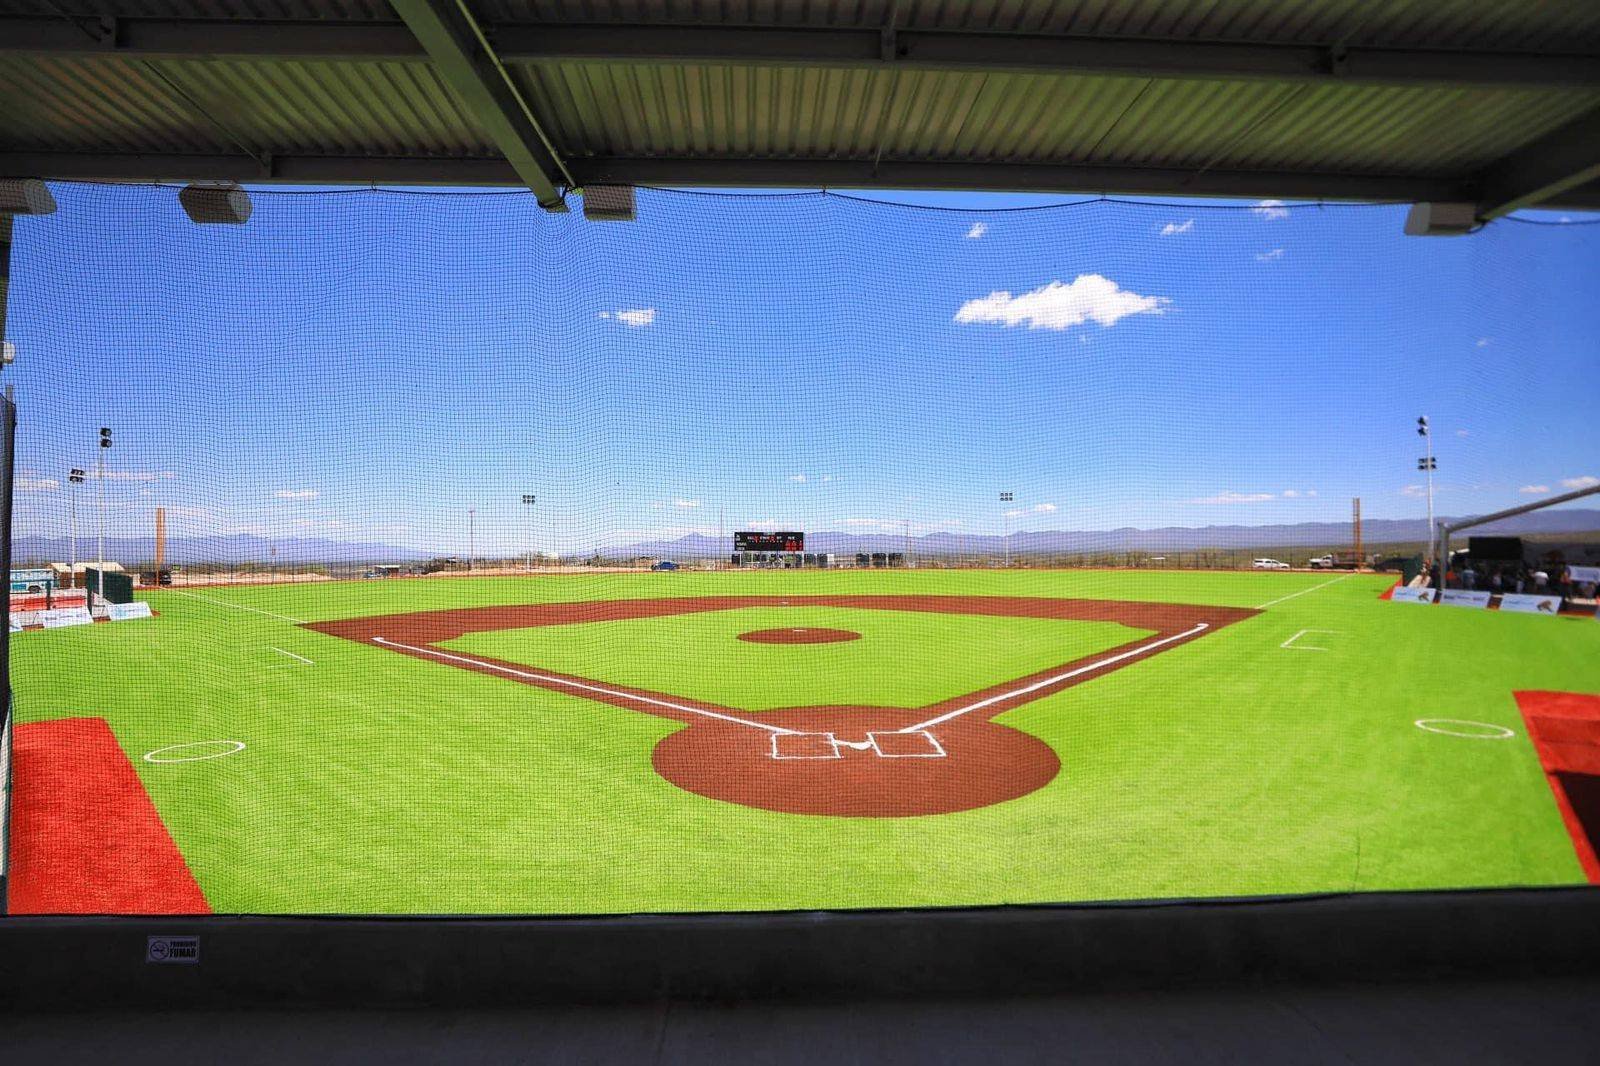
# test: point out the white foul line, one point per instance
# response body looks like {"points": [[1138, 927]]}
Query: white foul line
{"points": [[292, 655], [1302, 592], [585, 687], [1047, 682], [235, 606]]}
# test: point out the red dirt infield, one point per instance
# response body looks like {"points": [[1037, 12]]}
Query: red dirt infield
{"points": [[1565, 730], [85, 838], [799, 635], [840, 761]]}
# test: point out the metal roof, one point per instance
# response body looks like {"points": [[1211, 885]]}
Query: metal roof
{"points": [[1461, 100]]}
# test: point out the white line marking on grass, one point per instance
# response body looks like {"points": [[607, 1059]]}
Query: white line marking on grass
{"points": [[238, 746], [1047, 682], [236, 606], [292, 655], [1292, 646], [1302, 592], [764, 727], [1432, 726]]}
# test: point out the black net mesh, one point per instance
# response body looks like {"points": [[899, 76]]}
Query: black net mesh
{"points": [[793, 551]]}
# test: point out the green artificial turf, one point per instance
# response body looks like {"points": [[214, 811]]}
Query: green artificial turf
{"points": [[1230, 766], [902, 659]]}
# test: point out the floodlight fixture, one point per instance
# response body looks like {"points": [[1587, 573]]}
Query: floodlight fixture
{"points": [[608, 203], [25, 196], [207, 205], [1441, 219]]}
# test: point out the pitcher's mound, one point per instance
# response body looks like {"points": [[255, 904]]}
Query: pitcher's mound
{"points": [[799, 635]]}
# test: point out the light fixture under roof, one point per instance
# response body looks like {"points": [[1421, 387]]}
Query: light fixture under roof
{"points": [[208, 205], [25, 196]]}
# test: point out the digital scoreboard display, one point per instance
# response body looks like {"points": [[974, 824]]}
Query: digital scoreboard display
{"points": [[769, 542]]}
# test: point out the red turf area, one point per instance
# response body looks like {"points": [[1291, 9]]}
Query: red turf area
{"points": [[1565, 730], [85, 838]]}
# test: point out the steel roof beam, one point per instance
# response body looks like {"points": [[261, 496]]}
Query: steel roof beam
{"points": [[1132, 181], [471, 69], [827, 47], [1554, 168]]}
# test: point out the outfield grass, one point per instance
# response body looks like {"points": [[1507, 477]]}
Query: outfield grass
{"points": [[903, 659], [375, 782]]}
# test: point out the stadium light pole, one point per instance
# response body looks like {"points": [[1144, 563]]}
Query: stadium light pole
{"points": [[1428, 465], [472, 543], [1005, 517], [528, 500], [100, 498], [74, 477]]}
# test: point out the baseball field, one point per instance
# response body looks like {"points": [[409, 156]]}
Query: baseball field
{"points": [[793, 740]]}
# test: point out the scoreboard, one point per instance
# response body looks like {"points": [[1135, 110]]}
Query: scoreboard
{"points": [[769, 542]]}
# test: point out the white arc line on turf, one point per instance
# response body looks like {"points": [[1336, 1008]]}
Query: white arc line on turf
{"points": [[292, 655], [764, 727], [235, 606], [1047, 682], [1302, 592]]}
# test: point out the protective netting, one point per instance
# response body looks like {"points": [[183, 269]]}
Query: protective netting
{"points": [[1045, 627]]}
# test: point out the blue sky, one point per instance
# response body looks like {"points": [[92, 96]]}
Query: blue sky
{"points": [[368, 366]]}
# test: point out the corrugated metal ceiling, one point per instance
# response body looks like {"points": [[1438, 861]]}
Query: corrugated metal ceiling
{"points": [[598, 108]]}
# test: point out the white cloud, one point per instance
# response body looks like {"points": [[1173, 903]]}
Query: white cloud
{"points": [[1267, 257], [1015, 512], [686, 503], [1235, 497], [37, 484], [633, 319], [1414, 490], [1043, 508], [1484, 342], [1271, 210], [1291, 494], [1057, 305], [978, 230], [1534, 490], [297, 494], [1587, 481], [1463, 433], [800, 478], [1172, 229]]}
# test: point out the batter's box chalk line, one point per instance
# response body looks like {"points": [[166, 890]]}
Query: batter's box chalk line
{"points": [[913, 744]]}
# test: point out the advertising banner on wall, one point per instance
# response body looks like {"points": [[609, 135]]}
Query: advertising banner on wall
{"points": [[1585, 573], [121, 612], [65, 616], [1464, 598], [1530, 604], [1404, 594]]}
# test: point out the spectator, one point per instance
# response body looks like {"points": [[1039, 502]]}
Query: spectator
{"points": [[1469, 577], [1541, 581]]}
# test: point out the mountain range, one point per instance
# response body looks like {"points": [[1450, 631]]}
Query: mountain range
{"points": [[245, 548]]}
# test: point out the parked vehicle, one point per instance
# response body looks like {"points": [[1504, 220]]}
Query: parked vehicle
{"points": [[665, 564], [1268, 564], [1345, 560]]}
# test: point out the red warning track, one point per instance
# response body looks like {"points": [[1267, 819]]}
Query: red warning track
{"points": [[1565, 730], [85, 838], [860, 761]]}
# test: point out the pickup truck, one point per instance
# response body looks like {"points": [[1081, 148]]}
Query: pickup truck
{"points": [[1336, 561]]}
